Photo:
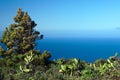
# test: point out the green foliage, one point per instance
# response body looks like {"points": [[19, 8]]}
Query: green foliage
{"points": [[60, 61], [20, 61], [20, 37], [1, 51], [71, 66], [40, 72], [1, 75], [41, 59], [20, 54], [106, 66], [28, 59]]}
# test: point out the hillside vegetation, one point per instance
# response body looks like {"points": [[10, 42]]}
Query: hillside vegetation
{"points": [[20, 61]]}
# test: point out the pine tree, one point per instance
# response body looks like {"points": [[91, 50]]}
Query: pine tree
{"points": [[20, 36]]}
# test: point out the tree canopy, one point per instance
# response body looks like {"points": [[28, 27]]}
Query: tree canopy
{"points": [[20, 36]]}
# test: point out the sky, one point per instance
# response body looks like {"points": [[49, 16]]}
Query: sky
{"points": [[67, 18]]}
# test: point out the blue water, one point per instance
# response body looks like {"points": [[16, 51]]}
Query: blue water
{"points": [[88, 49], [84, 49]]}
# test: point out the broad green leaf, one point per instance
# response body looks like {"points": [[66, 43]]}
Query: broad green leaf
{"points": [[70, 67], [26, 70], [63, 67], [21, 68]]}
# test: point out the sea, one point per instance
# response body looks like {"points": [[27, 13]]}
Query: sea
{"points": [[87, 49]]}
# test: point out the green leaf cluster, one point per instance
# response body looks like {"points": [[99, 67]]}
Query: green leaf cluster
{"points": [[70, 66]]}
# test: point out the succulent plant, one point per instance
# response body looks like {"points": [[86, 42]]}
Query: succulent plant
{"points": [[70, 66]]}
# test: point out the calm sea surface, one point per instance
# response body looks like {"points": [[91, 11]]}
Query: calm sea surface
{"points": [[85, 49]]}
